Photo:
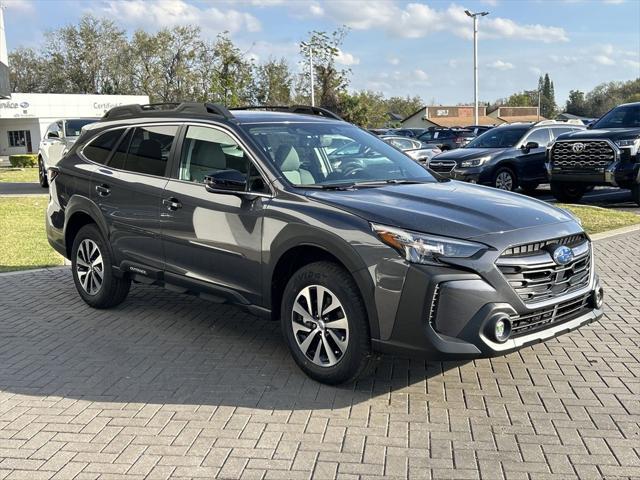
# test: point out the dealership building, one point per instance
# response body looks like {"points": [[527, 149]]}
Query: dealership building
{"points": [[25, 117], [464, 115]]}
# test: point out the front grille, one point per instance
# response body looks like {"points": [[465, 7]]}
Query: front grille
{"points": [[536, 247], [595, 156], [442, 166], [546, 317], [535, 277]]}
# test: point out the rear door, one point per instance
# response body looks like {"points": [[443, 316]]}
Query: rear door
{"points": [[214, 239], [129, 191], [531, 163], [52, 145]]}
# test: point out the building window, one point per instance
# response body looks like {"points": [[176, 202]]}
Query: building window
{"points": [[19, 138]]}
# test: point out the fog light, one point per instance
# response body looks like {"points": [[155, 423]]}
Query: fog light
{"points": [[501, 328], [598, 298]]}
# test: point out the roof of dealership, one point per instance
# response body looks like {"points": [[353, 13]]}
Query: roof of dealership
{"points": [[462, 115]]}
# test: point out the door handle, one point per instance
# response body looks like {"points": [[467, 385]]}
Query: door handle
{"points": [[103, 190], [172, 204]]}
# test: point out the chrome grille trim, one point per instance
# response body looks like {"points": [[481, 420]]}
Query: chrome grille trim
{"points": [[442, 166], [546, 317], [596, 156], [536, 247], [535, 277]]}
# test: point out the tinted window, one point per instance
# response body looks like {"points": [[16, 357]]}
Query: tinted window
{"points": [[73, 128], [99, 148], [148, 150], [498, 138], [540, 136], [120, 155], [625, 116]]}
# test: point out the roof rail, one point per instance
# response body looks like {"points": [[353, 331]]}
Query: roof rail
{"points": [[160, 109], [571, 121], [302, 109]]}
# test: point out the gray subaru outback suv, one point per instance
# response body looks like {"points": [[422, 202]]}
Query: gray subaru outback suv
{"points": [[357, 254]]}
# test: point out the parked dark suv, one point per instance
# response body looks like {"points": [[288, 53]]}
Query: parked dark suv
{"points": [[447, 138], [605, 154], [505, 157], [373, 254]]}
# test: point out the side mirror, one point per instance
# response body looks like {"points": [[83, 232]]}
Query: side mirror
{"points": [[530, 146], [53, 135], [590, 125], [226, 181]]}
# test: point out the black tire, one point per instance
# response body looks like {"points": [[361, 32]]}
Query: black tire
{"points": [[635, 194], [500, 179], [357, 359], [112, 290], [42, 174], [567, 192], [529, 188]]}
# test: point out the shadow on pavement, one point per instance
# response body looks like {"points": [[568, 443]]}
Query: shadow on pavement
{"points": [[165, 348]]}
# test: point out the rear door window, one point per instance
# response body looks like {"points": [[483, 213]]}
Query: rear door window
{"points": [[148, 150], [99, 148], [540, 136]]}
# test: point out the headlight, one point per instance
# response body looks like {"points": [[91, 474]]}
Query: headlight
{"points": [[425, 249], [476, 162], [627, 143]]}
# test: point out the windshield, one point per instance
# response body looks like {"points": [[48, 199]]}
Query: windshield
{"points": [[498, 138], [73, 128], [306, 155], [626, 116]]}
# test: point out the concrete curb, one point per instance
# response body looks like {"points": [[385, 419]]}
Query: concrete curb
{"points": [[612, 233]]}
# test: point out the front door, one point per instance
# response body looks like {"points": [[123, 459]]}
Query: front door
{"points": [[129, 192], [531, 163], [210, 238]]}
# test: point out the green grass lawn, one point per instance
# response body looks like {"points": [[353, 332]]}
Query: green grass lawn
{"points": [[26, 175], [597, 219], [23, 241]]}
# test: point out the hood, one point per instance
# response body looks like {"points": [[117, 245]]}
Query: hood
{"points": [[452, 209], [602, 133], [460, 154]]}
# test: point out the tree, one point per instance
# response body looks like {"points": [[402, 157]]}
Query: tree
{"points": [[404, 106], [27, 72], [330, 81], [274, 83], [576, 104], [548, 106], [232, 74], [366, 109]]}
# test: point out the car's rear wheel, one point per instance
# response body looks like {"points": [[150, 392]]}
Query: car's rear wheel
{"points": [[505, 179], [93, 272], [324, 321], [567, 192], [42, 174]]}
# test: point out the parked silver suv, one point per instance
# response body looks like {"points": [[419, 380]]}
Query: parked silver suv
{"points": [[60, 135]]}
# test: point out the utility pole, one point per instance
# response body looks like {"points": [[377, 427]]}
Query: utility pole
{"points": [[475, 58], [313, 96], [539, 95]]}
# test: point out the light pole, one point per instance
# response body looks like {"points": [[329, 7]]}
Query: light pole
{"points": [[475, 57], [313, 96]]}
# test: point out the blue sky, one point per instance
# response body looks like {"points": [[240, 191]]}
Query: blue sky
{"points": [[398, 48]]}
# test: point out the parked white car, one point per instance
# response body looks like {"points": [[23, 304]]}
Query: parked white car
{"points": [[60, 135], [421, 152]]}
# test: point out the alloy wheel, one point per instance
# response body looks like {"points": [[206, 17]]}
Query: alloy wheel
{"points": [[89, 266], [504, 181], [320, 325]]}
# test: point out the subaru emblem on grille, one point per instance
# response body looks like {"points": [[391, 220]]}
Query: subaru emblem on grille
{"points": [[562, 255], [578, 147]]}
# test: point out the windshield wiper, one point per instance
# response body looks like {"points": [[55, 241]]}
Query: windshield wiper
{"points": [[329, 186], [393, 181]]}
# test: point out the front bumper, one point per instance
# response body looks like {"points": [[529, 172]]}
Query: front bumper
{"points": [[447, 313]]}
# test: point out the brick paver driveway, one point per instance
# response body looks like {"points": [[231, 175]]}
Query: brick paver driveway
{"points": [[171, 386]]}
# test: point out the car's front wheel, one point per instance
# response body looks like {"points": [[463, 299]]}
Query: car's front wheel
{"points": [[567, 192], [93, 271], [324, 321], [42, 174], [505, 179]]}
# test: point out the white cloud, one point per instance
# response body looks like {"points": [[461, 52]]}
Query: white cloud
{"points": [[614, 2], [394, 61], [632, 63], [535, 70], [452, 63], [604, 60], [169, 13], [416, 20], [345, 58], [421, 75], [501, 65]]}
